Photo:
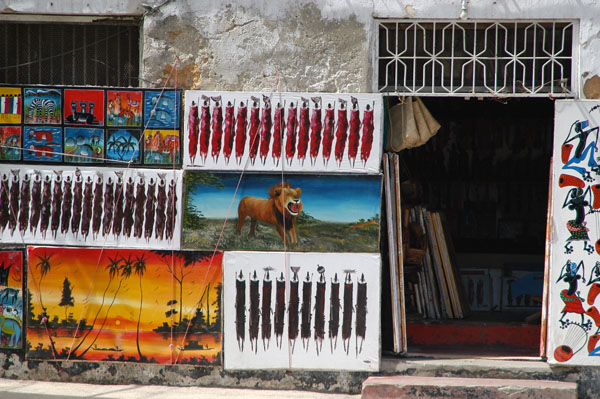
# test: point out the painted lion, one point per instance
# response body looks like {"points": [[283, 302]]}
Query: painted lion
{"points": [[281, 210]]}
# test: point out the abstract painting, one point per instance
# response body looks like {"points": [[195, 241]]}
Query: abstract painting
{"points": [[574, 306], [161, 147], [90, 207], [42, 144], [11, 103], [124, 108], [161, 109], [301, 311], [11, 299], [10, 140], [296, 132], [84, 145], [42, 105], [84, 107], [123, 145], [155, 306], [312, 213]]}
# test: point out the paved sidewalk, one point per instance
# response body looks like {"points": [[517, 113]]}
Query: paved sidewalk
{"points": [[27, 389]]}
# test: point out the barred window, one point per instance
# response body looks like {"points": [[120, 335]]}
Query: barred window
{"points": [[476, 58], [98, 54]]}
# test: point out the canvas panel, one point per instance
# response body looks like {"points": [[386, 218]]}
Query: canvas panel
{"points": [[11, 299], [90, 207], [573, 316], [292, 132], [323, 213], [301, 311], [155, 306]]}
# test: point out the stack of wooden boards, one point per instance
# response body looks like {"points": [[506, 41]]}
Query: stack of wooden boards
{"points": [[434, 287]]}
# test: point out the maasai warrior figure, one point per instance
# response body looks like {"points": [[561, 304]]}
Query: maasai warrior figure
{"points": [[573, 303], [583, 150], [577, 200]]}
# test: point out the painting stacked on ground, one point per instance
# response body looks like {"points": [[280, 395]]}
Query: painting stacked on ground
{"points": [[574, 305], [90, 125], [157, 306]]}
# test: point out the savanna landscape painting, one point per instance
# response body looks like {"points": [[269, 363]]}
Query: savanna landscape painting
{"points": [[156, 306], [312, 213]]}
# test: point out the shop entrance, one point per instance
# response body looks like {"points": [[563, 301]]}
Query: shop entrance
{"points": [[486, 174]]}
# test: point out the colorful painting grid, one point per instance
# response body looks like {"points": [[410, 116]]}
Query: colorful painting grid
{"points": [[42, 105], [124, 108], [11, 299], [123, 145], [10, 140], [11, 103], [131, 314], [161, 109], [42, 144], [161, 147], [84, 107], [84, 145]]}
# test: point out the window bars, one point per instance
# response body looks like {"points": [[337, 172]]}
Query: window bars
{"points": [[98, 54], [444, 58]]}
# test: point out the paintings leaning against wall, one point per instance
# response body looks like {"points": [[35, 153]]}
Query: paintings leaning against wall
{"points": [[11, 299], [313, 213], [42, 105], [90, 207], [301, 310], [116, 305], [574, 305], [302, 132]]}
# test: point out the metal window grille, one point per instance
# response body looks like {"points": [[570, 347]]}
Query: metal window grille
{"points": [[69, 54], [445, 58]]}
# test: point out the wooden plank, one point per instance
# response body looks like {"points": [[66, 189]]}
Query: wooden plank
{"points": [[462, 297], [393, 260], [545, 296], [400, 265], [452, 284]]}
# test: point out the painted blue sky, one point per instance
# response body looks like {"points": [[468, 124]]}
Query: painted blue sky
{"points": [[333, 198]]}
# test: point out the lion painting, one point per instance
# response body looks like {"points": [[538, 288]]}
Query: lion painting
{"points": [[281, 210]]}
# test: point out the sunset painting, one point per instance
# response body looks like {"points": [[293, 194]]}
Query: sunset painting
{"points": [[158, 306]]}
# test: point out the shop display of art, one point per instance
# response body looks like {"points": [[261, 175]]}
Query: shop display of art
{"points": [[11, 103], [11, 299], [42, 144], [84, 145], [42, 105], [573, 314], [316, 213], [161, 147], [161, 109], [84, 107], [301, 311], [283, 131], [123, 145], [115, 305], [124, 108], [99, 207], [10, 142]]}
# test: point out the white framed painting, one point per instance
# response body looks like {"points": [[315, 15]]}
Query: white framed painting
{"points": [[301, 311], [96, 207], [293, 132]]}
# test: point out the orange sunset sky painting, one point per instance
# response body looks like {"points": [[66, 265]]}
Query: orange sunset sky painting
{"points": [[114, 303]]}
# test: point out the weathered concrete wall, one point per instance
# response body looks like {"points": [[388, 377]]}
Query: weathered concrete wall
{"points": [[296, 48]]}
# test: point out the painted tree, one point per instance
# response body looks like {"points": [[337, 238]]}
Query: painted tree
{"points": [[112, 268], [44, 267], [216, 325], [139, 269], [67, 299]]}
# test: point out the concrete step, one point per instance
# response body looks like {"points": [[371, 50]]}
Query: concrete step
{"points": [[409, 387]]}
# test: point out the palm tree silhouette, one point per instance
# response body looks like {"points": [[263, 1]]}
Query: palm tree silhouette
{"points": [[44, 267], [113, 269], [126, 269], [139, 268]]}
